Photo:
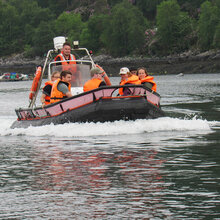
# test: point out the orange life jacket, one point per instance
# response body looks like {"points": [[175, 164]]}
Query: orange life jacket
{"points": [[131, 80], [56, 95], [47, 98], [64, 63], [150, 80], [91, 84]]}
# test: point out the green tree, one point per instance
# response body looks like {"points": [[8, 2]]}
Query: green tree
{"points": [[9, 30], [58, 6], [208, 21], [91, 35], [148, 7], [112, 3], [101, 7], [173, 27], [216, 40], [30, 17], [124, 30], [69, 25], [42, 39]]}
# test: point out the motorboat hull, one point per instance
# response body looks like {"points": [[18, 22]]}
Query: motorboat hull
{"points": [[98, 105]]}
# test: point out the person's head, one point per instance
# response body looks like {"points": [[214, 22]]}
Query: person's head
{"points": [[66, 49], [133, 70], [66, 76], [124, 73], [142, 72], [55, 75], [96, 73]]}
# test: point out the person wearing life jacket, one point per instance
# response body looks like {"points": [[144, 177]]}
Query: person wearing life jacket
{"points": [[45, 97], [96, 81], [133, 70], [68, 62], [65, 56], [61, 88], [127, 78], [146, 80]]}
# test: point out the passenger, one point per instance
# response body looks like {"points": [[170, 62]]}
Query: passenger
{"points": [[133, 70], [146, 80], [96, 81], [45, 98], [61, 88], [127, 78]]}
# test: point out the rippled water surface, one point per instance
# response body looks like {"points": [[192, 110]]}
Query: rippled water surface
{"points": [[166, 168]]}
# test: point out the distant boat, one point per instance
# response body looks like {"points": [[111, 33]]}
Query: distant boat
{"points": [[7, 77], [180, 74]]}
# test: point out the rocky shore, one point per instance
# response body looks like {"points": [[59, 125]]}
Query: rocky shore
{"points": [[207, 62]]}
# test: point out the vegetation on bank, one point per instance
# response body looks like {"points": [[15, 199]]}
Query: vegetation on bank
{"points": [[115, 27]]}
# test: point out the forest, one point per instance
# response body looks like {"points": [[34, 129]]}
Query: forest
{"points": [[115, 27]]}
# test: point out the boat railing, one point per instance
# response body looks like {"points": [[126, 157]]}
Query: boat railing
{"points": [[83, 99], [48, 62], [78, 62]]}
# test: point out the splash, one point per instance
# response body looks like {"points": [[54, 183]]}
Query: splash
{"points": [[108, 128]]}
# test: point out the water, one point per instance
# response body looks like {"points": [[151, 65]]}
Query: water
{"points": [[166, 168]]}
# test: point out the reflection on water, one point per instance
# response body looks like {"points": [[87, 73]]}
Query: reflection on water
{"points": [[67, 171], [143, 182]]}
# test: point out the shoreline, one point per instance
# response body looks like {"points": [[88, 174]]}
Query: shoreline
{"points": [[207, 62]]}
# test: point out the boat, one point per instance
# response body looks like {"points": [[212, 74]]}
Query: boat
{"points": [[99, 105], [11, 77], [180, 75]]}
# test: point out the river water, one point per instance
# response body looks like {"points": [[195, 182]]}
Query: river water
{"points": [[166, 168]]}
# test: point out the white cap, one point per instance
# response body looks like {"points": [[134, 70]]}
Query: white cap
{"points": [[124, 70]]}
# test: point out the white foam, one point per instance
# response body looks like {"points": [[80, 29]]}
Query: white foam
{"points": [[108, 128]]}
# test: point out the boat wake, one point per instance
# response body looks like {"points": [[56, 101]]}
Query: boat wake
{"points": [[165, 124]]}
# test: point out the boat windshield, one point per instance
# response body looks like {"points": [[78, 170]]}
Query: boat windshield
{"points": [[80, 72]]}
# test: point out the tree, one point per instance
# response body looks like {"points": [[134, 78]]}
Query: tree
{"points": [[9, 30], [148, 7], [124, 30], [216, 40], [91, 35], [69, 25], [173, 27], [43, 38], [101, 7], [208, 21]]}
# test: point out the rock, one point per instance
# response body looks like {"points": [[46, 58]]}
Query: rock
{"points": [[187, 62]]}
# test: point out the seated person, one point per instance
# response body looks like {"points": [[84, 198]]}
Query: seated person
{"points": [[45, 98], [61, 88], [127, 78], [133, 70], [146, 80], [96, 81]]}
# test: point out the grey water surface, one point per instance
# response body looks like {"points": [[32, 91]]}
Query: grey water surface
{"points": [[148, 169]]}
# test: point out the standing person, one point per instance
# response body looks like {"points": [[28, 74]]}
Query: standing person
{"points": [[96, 81], [146, 80], [127, 78], [69, 63], [45, 97], [65, 56], [61, 88]]}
